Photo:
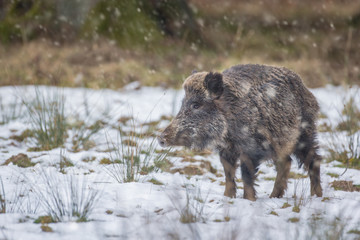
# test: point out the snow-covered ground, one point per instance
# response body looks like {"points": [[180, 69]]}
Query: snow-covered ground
{"points": [[142, 209]]}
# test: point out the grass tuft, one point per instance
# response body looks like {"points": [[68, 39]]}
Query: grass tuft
{"points": [[300, 196], [348, 151], [83, 134], [137, 155], [194, 208], [64, 163], [351, 121], [20, 201], [66, 198], [48, 119], [323, 228]]}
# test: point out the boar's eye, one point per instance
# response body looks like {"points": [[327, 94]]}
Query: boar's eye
{"points": [[195, 105]]}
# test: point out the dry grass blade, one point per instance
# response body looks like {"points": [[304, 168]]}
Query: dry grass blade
{"points": [[2, 198]]}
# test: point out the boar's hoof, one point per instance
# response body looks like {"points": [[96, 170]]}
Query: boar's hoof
{"points": [[316, 191], [249, 193], [251, 198], [276, 194], [230, 193]]}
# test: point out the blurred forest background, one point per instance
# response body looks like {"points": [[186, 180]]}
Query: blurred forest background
{"points": [[110, 43]]}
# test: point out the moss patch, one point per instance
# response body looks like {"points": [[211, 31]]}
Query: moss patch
{"points": [[269, 178], [296, 175], [109, 212], [189, 170], [105, 161], [294, 220], [151, 124], [25, 134], [286, 205], [88, 159], [192, 169], [274, 213], [203, 164], [334, 175], [186, 153], [155, 181], [296, 209], [354, 231], [20, 160], [44, 220], [124, 120], [46, 228]]}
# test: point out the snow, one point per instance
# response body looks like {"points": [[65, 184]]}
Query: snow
{"points": [[142, 210]]}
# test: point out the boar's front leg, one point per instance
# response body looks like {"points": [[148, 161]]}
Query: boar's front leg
{"points": [[229, 165], [283, 169], [248, 170]]}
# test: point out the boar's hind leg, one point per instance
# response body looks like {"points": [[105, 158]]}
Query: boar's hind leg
{"points": [[306, 151], [314, 172], [229, 169], [283, 169], [248, 170]]}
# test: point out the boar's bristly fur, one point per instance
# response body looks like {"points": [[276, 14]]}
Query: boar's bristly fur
{"points": [[250, 113]]}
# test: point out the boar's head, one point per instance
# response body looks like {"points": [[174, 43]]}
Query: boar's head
{"points": [[200, 122]]}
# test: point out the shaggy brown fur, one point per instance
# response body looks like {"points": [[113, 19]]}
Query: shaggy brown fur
{"points": [[250, 113]]}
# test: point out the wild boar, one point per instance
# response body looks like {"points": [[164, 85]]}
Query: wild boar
{"points": [[249, 113]]}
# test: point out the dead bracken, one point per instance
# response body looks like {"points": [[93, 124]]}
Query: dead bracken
{"points": [[346, 186]]}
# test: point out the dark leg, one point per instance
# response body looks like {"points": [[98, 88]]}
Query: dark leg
{"points": [[229, 169], [283, 169], [248, 171], [314, 173], [306, 151]]}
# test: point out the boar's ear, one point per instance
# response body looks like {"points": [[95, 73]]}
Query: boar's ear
{"points": [[213, 82], [193, 71]]}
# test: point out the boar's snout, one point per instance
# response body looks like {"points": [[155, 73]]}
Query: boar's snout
{"points": [[173, 135], [165, 136]]}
